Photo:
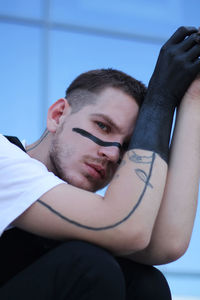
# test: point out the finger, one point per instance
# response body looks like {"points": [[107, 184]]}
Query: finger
{"points": [[196, 66], [197, 39], [189, 42], [194, 53], [180, 34]]}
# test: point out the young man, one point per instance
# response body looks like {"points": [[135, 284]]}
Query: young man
{"points": [[85, 145]]}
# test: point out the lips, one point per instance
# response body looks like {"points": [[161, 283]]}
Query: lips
{"points": [[96, 171]]}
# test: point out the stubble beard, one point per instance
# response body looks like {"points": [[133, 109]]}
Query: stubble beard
{"points": [[58, 155], [55, 156]]}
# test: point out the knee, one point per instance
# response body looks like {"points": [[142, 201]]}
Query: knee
{"points": [[144, 282], [156, 285], [93, 268]]}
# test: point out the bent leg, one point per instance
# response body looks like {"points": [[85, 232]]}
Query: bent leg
{"points": [[75, 270], [144, 282]]}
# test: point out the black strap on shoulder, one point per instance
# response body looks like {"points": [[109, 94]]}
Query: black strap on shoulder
{"points": [[18, 248], [16, 141]]}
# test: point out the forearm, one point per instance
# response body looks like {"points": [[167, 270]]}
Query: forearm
{"points": [[136, 193], [174, 224], [149, 165], [164, 94], [66, 212]]}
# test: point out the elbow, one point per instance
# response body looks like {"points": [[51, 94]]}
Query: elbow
{"points": [[175, 250], [169, 250], [133, 241], [176, 244], [139, 240]]}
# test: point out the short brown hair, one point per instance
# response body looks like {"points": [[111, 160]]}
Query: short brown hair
{"points": [[95, 81]]}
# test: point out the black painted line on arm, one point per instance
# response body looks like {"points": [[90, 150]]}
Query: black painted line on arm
{"points": [[143, 176], [108, 226], [140, 159]]}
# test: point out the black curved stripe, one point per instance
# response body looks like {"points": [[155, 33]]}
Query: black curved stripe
{"points": [[95, 139]]}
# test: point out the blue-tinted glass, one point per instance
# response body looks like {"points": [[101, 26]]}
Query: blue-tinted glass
{"points": [[147, 18], [20, 81], [184, 287], [72, 54], [22, 8]]}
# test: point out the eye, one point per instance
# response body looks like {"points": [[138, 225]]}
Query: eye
{"points": [[103, 126]]}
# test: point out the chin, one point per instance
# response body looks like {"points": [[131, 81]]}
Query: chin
{"points": [[83, 184], [86, 187]]}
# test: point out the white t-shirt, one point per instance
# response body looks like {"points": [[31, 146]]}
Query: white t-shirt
{"points": [[23, 180]]}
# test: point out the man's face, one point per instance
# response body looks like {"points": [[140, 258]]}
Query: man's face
{"points": [[81, 161]]}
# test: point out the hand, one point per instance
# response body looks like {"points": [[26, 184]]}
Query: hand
{"points": [[177, 66]]}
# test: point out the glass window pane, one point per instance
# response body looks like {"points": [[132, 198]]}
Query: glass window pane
{"points": [[22, 8], [144, 18], [20, 81], [184, 287], [72, 54]]}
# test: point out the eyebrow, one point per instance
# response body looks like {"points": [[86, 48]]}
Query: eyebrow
{"points": [[108, 120]]}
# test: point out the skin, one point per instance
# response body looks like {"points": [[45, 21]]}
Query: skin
{"points": [[69, 155]]}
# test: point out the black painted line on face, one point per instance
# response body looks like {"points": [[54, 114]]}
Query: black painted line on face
{"points": [[95, 139]]}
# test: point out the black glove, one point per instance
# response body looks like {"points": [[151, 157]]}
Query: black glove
{"points": [[177, 66]]}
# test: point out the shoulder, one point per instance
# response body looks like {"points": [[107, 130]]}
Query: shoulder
{"points": [[6, 147], [19, 166], [22, 181]]}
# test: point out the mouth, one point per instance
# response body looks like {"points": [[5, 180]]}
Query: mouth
{"points": [[96, 171]]}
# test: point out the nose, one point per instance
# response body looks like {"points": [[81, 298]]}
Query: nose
{"points": [[112, 153]]}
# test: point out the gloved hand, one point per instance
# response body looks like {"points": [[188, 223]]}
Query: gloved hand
{"points": [[177, 66]]}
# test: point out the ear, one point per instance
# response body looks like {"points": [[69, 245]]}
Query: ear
{"points": [[56, 112]]}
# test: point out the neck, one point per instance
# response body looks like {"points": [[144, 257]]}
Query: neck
{"points": [[39, 149]]}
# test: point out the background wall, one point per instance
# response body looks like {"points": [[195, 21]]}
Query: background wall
{"points": [[46, 43]]}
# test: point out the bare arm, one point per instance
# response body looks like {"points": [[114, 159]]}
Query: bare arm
{"points": [[113, 221], [174, 224]]}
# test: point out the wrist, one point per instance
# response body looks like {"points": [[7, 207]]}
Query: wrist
{"points": [[153, 128], [158, 100]]}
